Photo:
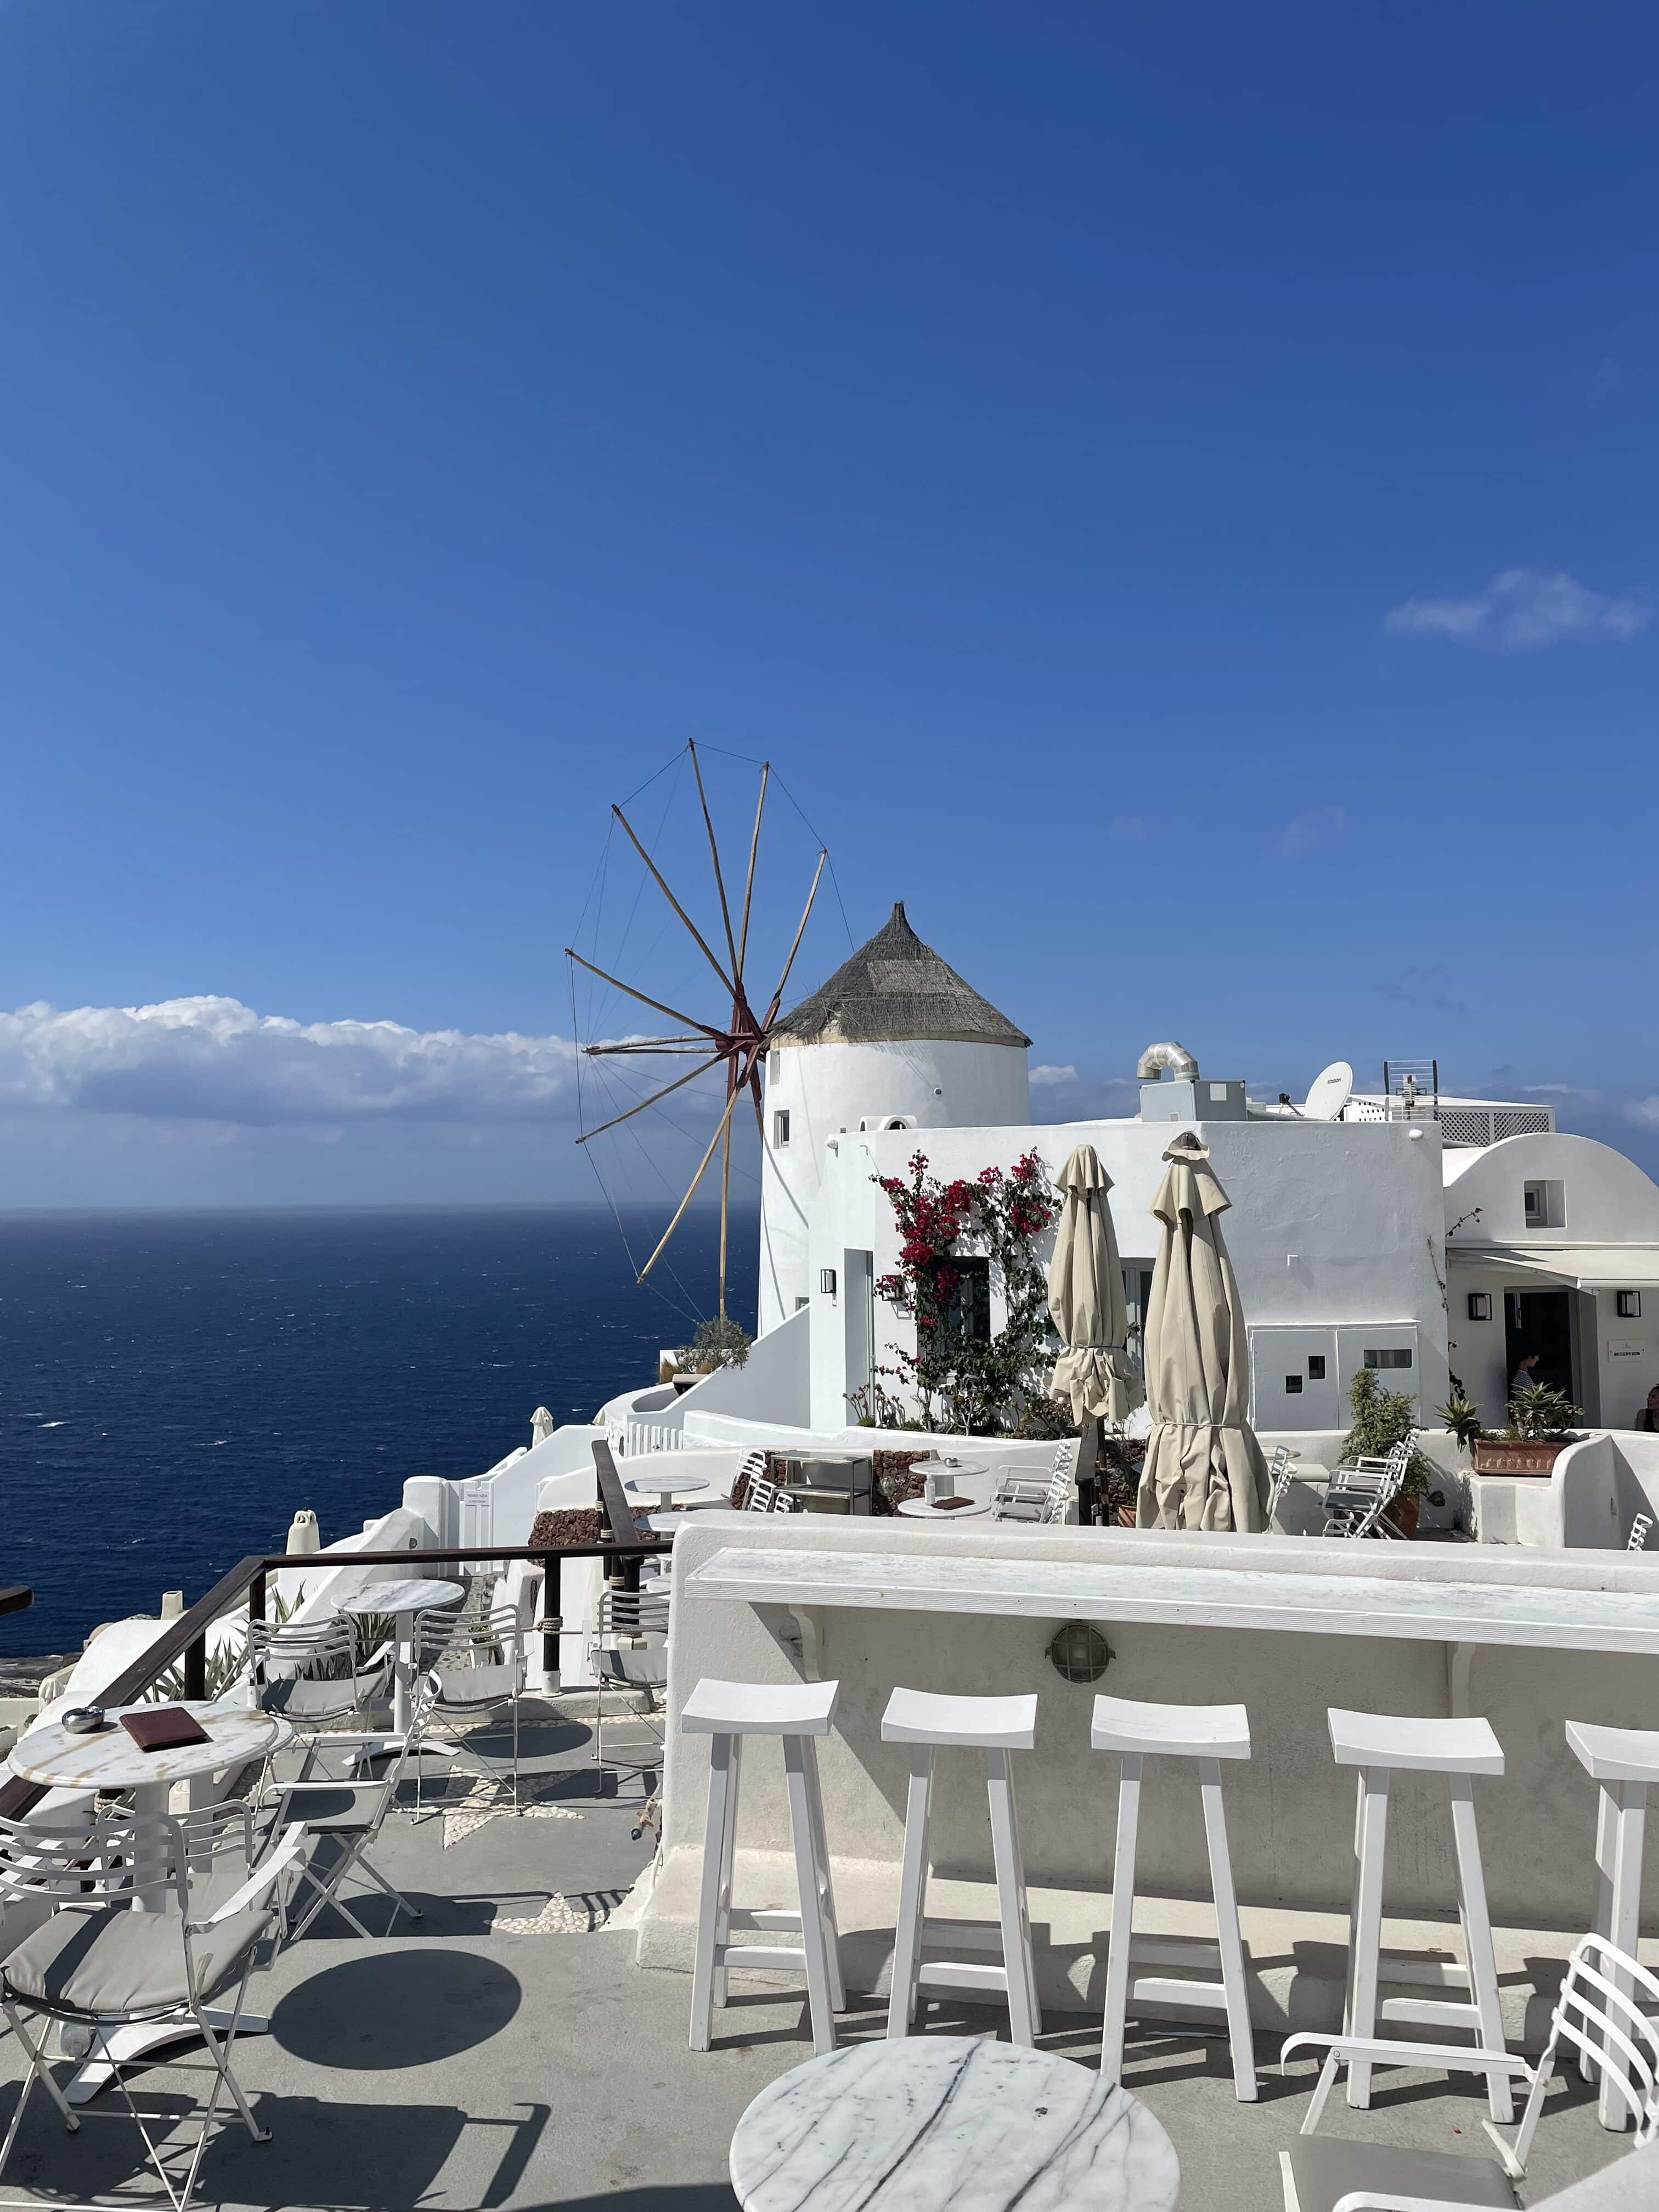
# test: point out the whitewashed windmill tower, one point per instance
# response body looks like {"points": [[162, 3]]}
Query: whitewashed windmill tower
{"points": [[895, 1039]]}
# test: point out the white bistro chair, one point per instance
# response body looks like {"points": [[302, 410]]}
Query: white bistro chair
{"points": [[1208, 1734], [309, 1672], [797, 1714], [628, 1651], [350, 1814], [1380, 1744], [1023, 1496], [1624, 1762], [1601, 2011], [993, 1727], [1361, 1490], [152, 1917], [477, 1663]]}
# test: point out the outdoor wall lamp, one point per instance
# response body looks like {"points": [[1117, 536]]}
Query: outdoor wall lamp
{"points": [[1079, 1652], [1630, 1305], [1479, 1305], [826, 1281]]}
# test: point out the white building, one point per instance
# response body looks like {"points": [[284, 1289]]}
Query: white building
{"points": [[1399, 1230]]}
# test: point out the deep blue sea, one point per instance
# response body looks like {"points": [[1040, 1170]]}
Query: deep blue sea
{"points": [[173, 1386]]}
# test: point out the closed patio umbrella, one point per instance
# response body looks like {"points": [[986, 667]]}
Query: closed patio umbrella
{"points": [[541, 1425], [1204, 1468], [1093, 1374]]}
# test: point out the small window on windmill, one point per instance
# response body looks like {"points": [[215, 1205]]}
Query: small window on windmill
{"points": [[969, 1305], [780, 1129]]}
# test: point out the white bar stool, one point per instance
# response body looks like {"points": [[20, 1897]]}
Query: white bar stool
{"points": [[1378, 1744], [1625, 1761], [994, 1726], [797, 1713], [1208, 1734]]}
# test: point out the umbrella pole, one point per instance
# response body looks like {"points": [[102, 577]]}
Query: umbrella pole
{"points": [[1088, 1472]]}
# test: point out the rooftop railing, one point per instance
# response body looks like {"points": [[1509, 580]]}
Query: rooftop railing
{"points": [[183, 1642]]}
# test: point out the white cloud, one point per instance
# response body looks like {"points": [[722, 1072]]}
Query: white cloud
{"points": [[1521, 608], [1041, 1076], [1643, 1110], [1307, 833], [216, 1060]]}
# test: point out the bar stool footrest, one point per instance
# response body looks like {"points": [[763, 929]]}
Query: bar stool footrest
{"points": [[962, 1974], [1158, 1989], [1427, 2012], [779, 1959]]}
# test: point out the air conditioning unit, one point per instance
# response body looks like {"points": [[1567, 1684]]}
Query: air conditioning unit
{"points": [[868, 1122]]}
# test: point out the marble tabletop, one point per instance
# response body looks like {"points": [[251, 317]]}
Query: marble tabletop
{"points": [[666, 1485], [1009, 1581], [936, 2120], [402, 1597], [917, 1509], [112, 1760]]}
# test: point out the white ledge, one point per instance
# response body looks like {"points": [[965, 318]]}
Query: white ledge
{"points": [[1574, 1620]]}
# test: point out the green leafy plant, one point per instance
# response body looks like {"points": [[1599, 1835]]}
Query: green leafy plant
{"points": [[1459, 1416], [1382, 1419], [1541, 1414], [719, 1342], [873, 1407], [964, 1383]]}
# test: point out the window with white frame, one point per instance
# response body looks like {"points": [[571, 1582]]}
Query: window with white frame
{"points": [[1544, 1205], [780, 1129]]}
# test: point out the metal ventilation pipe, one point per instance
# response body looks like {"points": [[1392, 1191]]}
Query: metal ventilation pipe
{"points": [[1176, 1057]]}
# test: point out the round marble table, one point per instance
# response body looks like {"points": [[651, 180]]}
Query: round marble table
{"points": [[404, 1600], [931, 2121], [111, 1760], [666, 1491], [917, 1509]]}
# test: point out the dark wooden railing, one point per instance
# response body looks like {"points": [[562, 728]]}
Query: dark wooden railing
{"points": [[184, 1642], [17, 1599]]}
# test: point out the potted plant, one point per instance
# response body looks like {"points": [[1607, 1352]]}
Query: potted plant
{"points": [[1539, 1429], [722, 1342], [1459, 1418], [1382, 1419]]}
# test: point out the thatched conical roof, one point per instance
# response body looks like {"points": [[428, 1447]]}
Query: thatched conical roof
{"points": [[896, 990]]}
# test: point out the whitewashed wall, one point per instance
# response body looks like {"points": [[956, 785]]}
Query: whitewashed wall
{"points": [[1330, 1224], [828, 1089]]}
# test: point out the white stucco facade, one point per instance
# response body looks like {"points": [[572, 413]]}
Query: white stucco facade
{"points": [[830, 1092], [1336, 1233], [1599, 1239]]}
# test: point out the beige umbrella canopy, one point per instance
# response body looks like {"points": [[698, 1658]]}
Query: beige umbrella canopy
{"points": [[1204, 1468], [1093, 1374]]}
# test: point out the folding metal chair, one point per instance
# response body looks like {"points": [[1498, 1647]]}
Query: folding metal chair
{"points": [[1025, 1497], [479, 1666], [351, 1815], [310, 1672], [1360, 1492], [630, 1650], [140, 1931]]}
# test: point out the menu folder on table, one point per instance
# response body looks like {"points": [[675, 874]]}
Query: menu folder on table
{"points": [[165, 1728]]}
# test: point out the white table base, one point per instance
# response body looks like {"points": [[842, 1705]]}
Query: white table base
{"points": [[126, 2046]]}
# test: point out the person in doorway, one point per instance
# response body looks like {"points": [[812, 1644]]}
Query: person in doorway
{"points": [[1523, 1378], [1648, 1419]]}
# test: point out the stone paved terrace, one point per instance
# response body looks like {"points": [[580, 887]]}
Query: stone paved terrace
{"points": [[499, 2056]]}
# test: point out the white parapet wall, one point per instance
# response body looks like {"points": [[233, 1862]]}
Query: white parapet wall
{"points": [[1290, 1808]]}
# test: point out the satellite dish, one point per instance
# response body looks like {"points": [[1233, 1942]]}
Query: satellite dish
{"points": [[1329, 1092]]}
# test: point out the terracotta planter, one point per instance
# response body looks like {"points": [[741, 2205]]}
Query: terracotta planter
{"points": [[1125, 1518], [1405, 1513], [1507, 1455]]}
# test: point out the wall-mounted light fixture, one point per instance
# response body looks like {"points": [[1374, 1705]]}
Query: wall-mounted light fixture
{"points": [[826, 1281], [1479, 1305], [1079, 1652], [1630, 1305]]}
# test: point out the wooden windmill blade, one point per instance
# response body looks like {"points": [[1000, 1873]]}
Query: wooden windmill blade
{"points": [[737, 1044]]}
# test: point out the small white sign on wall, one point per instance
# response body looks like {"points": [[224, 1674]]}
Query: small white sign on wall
{"points": [[1624, 1348]]}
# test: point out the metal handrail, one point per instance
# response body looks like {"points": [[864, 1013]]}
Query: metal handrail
{"points": [[17, 1599], [184, 1642]]}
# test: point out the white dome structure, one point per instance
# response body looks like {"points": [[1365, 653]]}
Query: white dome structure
{"points": [[896, 1039]]}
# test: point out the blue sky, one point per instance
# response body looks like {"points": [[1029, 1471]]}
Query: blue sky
{"points": [[1172, 489]]}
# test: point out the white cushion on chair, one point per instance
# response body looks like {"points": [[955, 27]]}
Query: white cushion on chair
{"points": [[1324, 2170]]}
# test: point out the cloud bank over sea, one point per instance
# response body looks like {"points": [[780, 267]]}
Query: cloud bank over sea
{"points": [[216, 1060]]}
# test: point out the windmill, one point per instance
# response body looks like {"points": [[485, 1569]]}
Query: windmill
{"points": [[737, 1041]]}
